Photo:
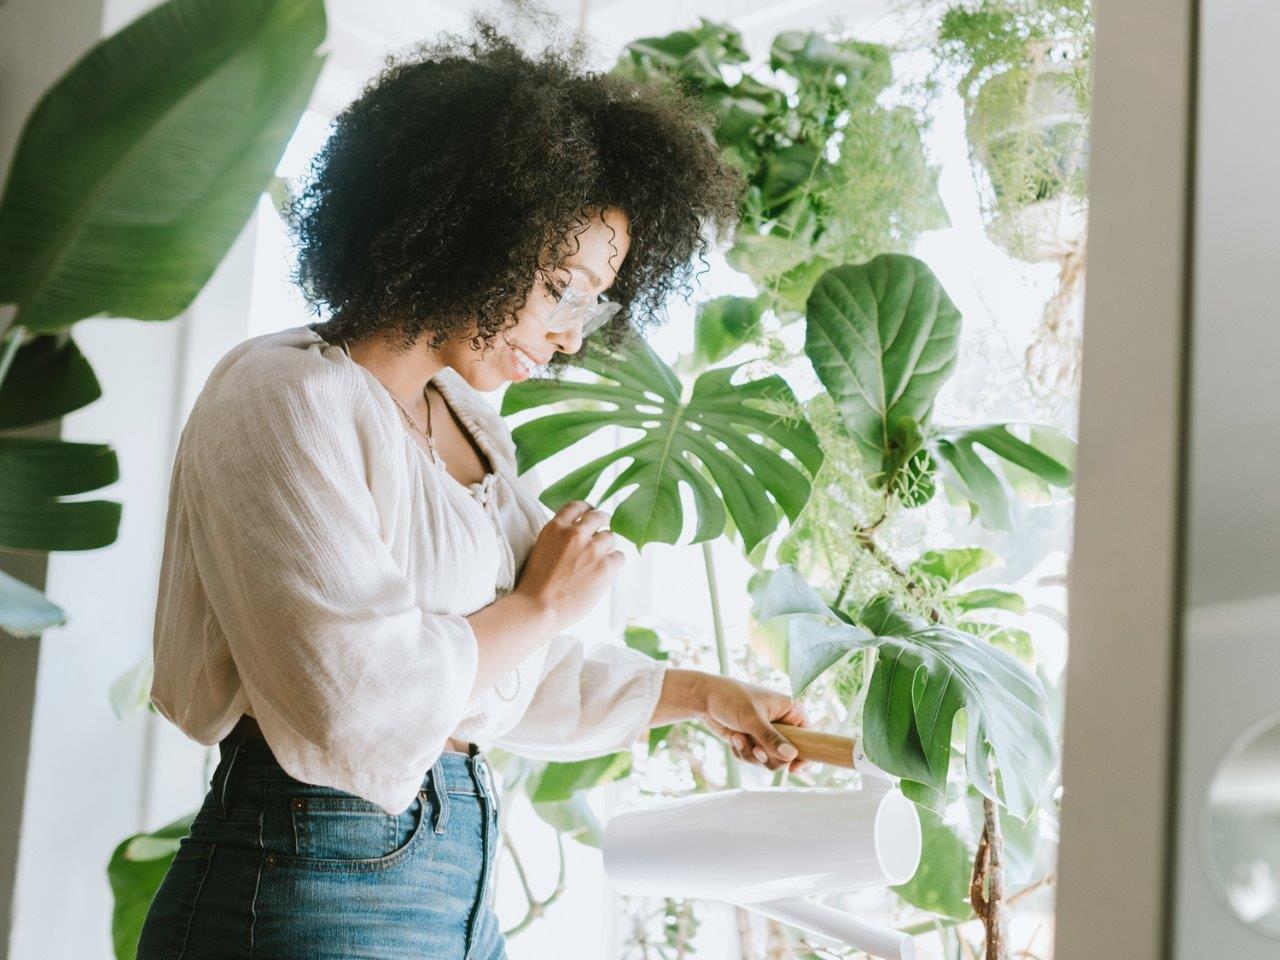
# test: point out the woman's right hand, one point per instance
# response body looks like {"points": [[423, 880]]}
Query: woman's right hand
{"points": [[571, 563]]}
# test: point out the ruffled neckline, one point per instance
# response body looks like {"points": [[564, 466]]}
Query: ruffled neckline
{"points": [[462, 399]]}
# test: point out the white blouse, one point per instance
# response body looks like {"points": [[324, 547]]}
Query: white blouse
{"points": [[318, 569]]}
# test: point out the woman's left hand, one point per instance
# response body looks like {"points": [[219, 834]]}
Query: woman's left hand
{"points": [[743, 715]]}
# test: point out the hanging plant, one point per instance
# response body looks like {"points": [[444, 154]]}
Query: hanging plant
{"points": [[833, 173], [1025, 76]]}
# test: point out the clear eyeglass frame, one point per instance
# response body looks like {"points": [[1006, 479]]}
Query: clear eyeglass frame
{"points": [[575, 306]]}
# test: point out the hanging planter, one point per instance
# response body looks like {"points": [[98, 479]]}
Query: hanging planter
{"points": [[1026, 129]]}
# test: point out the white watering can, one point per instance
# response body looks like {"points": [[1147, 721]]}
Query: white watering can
{"points": [[770, 850]]}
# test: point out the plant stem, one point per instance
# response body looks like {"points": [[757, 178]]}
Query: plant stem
{"points": [[733, 776], [9, 344], [535, 908], [986, 888]]}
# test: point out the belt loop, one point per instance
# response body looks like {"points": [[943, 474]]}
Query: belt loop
{"points": [[441, 791], [223, 774]]}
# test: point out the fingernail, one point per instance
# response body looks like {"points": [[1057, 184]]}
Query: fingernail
{"points": [[787, 752], [761, 755], [739, 742]]}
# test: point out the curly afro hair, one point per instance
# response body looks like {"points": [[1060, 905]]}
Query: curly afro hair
{"points": [[462, 170]]}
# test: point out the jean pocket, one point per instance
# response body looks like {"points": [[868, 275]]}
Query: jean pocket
{"points": [[349, 833]]}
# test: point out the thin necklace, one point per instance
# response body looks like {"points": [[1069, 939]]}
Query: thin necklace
{"points": [[429, 435], [435, 457]]}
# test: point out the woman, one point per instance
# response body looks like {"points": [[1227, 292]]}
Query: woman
{"points": [[356, 587]]}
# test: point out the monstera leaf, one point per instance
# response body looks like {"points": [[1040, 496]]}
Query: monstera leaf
{"points": [[138, 169], [973, 478], [882, 337], [924, 674], [725, 442]]}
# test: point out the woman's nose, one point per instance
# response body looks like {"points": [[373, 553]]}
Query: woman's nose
{"points": [[567, 341]]}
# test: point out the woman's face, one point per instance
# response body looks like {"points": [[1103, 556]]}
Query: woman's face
{"points": [[517, 351]]}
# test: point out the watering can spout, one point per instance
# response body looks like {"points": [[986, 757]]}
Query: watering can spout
{"points": [[876, 939]]}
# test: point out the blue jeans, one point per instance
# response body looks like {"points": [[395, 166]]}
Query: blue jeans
{"points": [[277, 869]]}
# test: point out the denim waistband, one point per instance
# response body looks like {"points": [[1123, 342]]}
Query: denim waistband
{"points": [[459, 772]]}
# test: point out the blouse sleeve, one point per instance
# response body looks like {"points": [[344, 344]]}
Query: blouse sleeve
{"points": [[333, 644], [587, 703]]}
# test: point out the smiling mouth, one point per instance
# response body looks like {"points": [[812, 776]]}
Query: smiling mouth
{"points": [[528, 362]]}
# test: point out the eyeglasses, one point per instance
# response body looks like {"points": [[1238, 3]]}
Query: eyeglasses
{"points": [[578, 307]]}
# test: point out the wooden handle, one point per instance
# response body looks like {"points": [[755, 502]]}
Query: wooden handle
{"points": [[826, 748]]}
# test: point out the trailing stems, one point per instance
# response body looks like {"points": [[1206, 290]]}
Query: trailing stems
{"points": [[536, 908]]}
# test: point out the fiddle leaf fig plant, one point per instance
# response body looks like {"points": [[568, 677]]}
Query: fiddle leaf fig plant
{"points": [[741, 448], [882, 337]]}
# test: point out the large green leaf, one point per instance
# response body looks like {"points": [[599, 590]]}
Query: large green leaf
{"points": [[989, 494], [137, 866], [941, 882], [924, 674], [34, 474], [138, 169], [723, 325], [724, 442], [49, 378], [1005, 703], [572, 818], [949, 567], [560, 781], [882, 337]]}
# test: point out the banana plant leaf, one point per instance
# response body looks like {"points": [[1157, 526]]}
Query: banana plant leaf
{"points": [[48, 378], [137, 170], [24, 610], [725, 442], [924, 674], [34, 474], [882, 337]]}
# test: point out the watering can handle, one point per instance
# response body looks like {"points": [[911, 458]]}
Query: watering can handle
{"points": [[828, 748]]}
